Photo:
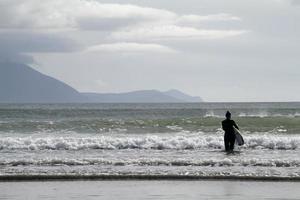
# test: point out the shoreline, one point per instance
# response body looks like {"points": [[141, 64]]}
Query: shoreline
{"points": [[9, 178]]}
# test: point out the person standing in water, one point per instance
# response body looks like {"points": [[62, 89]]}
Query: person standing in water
{"points": [[229, 136]]}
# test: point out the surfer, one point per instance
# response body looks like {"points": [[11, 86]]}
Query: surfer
{"points": [[229, 136]]}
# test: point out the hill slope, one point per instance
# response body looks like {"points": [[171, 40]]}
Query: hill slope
{"points": [[141, 96], [22, 84], [182, 96]]}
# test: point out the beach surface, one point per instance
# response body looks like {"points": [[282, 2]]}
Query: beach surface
{"points": [[134, 189]]}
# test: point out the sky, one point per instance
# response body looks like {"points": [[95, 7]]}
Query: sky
{"points": [[221, 50]]}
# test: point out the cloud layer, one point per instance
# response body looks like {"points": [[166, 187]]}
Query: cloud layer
{"points": [[90, 14], [44, 26], [171, 32], [125, 47], [61, 14], [296, 2]]}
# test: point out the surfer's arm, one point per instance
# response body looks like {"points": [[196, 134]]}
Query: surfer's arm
{"points": [[236, 126], [223, 126]]}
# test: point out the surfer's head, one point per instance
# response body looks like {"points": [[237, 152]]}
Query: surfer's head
{"points": [[228, 115]]}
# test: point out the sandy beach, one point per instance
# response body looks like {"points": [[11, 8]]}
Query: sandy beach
{"points": [[149, 190]]}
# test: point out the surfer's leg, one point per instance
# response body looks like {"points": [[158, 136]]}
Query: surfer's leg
{"points": [[226, 142], [231, 141]]}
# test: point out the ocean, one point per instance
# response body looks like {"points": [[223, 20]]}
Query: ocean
{"points": [[148, 140]]}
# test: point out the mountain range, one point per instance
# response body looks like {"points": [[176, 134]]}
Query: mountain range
{"points": [[20, 83]]}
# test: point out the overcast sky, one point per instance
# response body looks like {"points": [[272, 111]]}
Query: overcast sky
{"points": [[221, 50]]}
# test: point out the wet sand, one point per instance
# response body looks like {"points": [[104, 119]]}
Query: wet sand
{"points": [[139, 189]]}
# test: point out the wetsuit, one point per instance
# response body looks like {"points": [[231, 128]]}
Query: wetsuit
{"points": [[229, 136]]}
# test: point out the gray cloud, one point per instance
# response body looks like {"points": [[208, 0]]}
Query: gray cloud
{"points": [[6, 56], [105, 24], [17, 45], [60, 14], [29, 42], [94, 15], [33, 26], [136, 48], [295, 2]]}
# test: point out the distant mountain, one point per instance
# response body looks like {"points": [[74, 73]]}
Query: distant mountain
{"points": [[20, 83], [142, 96], [182, 96]]}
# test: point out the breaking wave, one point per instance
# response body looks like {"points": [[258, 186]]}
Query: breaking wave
{"points": [[142, 162], [183, 142]]}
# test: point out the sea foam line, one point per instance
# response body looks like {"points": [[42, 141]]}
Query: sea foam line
{"points": [[188, 142], [156, 162]]}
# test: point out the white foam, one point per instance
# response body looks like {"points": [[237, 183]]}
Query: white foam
{"points": [[265, 114], [212, 162], [175, 128], [176, 142], [297, 114], [212, 114], [260, 114]]}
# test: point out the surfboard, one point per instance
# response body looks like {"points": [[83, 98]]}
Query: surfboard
{"points": [[238, 137]]}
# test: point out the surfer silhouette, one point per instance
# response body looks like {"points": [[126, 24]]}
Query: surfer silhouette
{"points": [[229, 136]]}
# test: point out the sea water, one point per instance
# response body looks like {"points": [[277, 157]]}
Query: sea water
{"points": [[148, 139]]}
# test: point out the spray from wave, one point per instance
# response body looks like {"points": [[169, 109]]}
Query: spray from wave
{"points": [[159, 142]]}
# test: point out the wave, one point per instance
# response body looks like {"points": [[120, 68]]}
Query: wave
{"points": [[158, 142], [156, 162], [207, 123], [260, 114], [211, 114], [269, 115]]}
